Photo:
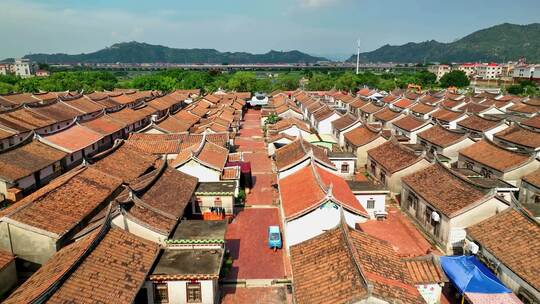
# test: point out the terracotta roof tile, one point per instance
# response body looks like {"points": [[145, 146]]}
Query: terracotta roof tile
{"points": [[493, 156], [19, 98], [74, 138], [422, 108], [104, 125], [27, 159], [425, 270], [51, 272], [533, 178], [524, 108], [113, 272], [446, 115], [442, 137], [344, 121], [409, 123], [59, 207], [214, 155], [173, 125], [84, 104], [386, 114], [127, 116], [297, 150], [159, 190], [354, 257], [124, 162], [533, 122], [361, 135], [23, 120], [393, 156], [57, 111], [514, 240], [519, 136], [403, 103], [479, 123], [370, 108], [446, 191]]}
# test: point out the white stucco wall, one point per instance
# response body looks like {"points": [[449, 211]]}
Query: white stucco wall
{"points": [[315, 223], [204, 174]]}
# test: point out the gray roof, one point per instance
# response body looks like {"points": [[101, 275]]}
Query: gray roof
{"points": [[200, 230], [210, 188], [189, 262]]}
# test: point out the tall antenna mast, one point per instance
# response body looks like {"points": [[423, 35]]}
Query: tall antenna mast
{"points": [[358, 58]]}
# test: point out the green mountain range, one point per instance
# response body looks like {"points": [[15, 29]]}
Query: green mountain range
{"points": [[500, 43], [136, 52]]}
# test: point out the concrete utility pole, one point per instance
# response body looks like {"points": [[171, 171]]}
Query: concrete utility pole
{"points": [[358, 58]]}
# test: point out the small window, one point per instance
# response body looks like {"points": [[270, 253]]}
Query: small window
{"points": [[217, 202], [193, 292], [345, 168], [370, 203], [71, 157], [161, 293], [469, 165], [383, 178]]}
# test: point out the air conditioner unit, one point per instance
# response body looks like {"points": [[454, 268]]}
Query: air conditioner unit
{"points": [[435, 216], [473, 247]]}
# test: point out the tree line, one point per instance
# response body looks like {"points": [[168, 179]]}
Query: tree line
{"points": [[248, 81]]}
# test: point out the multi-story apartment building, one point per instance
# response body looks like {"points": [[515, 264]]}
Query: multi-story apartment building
{"points": [[23, 67], [468, 68], [488, 71], [439, 70]]}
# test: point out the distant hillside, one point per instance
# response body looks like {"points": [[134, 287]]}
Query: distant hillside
{"points": [[499, 43], [136, 52]]}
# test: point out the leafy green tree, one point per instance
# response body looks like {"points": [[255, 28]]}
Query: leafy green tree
{"points": [[242, 82], [272, 119], [455, 79], [6, 88]]}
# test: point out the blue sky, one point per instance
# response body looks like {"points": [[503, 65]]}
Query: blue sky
{"points": [[321, 27]]}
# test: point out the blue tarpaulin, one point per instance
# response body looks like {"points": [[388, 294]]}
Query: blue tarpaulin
{"points": [[468, 274]]}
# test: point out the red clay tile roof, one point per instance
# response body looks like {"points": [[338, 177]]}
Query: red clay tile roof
{"points": [[472, 107], [446, 115], [124, 162], [27, 159], [514, 240], [429, 99], [533, 122], [231, 173], [297, 150], [84, 104], [74, 138], [524, 108], [163, 201], [386, 115], [156, 147], [5, 259], [57, 111], [6, 133], [323, 113], [61, 206], [447, 191], [286, 123], [213, 155], [109, 268], [425, 270], [361, 135], [22, 119], [493, 156], [393, 156], [51, 272], [19, 98], [451, 103], [423, 108], [162, 103], [390, 98], [410, 123], [442, 137], [296, 201], [344, 121], [533, 178], [403, 103], [520, 136], [123, 260], [479, 123], [357, 259], [358, 103], [171, 124], [127, 116], [104, 124], [370, 108]]}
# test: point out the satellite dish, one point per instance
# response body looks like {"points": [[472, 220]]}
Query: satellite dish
{"points": [[435, 216]]}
